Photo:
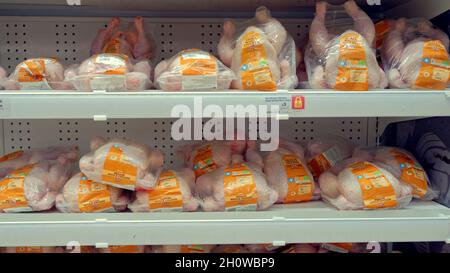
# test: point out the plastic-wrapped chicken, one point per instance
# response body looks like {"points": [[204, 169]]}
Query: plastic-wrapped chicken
{"points": [[206, 157], [37, 74], [19, 159], [260, 52], [182, 249], [83, 195], [110, 72], [122, 164], [132, 41], [325, 152], [364, 185], [123, 249], [287, 172], [33, 249], [415, 55], [173, 192], [193, 69], [238, 186], [33, 187], [343, 59]]}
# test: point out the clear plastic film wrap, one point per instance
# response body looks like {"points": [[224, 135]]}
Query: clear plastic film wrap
{"points": [[415, 55], [110, 72], [260, 52], [193, 69], [341, 53], [37, 74]]}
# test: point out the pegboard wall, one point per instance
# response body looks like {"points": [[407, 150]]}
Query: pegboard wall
{"points": [[69, 39], [28, 134]]}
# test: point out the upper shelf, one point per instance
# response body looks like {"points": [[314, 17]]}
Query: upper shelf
{"points": [[157, 104]]}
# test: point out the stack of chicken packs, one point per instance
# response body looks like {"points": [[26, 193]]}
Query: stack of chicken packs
{"points": [[260, 52]]}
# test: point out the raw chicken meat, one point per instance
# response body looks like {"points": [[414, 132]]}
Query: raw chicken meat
{"points": [[133, 42], [38, 74], [414, 49], [345, 247], [262, 248], [325, 152], [364, 185], [122, 164], [33, 249], [193, 69], [183, 249], [204, 158], [407, 169], [123, 249], [173, 192], [83, 195], [346, 61], [19, 159], [33, 187], [230, 249], [110, 72], [238, 186], [262, 55], [287, 172]]}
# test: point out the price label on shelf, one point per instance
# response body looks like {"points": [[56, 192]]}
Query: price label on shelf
{"points": [[283, 103]]}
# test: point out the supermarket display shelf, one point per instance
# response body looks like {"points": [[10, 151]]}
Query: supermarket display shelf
{"points": [[157, 104], [309, 223]]}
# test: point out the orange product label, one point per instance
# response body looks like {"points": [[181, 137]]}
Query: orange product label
{"points": [[203, 160], [87, 249], [197, 63], [123, 249], [239, 188], [377, 191], [381, 29], [318, 165], [192, 249], [34, 249], [338, 247], [167, 193], [353, 73], [412, 173], [31, 71], [11, 156], [300, 184], [255, 71], [93, 196], [12, 191], [113, 46], [117, 170], [435, 69], [114, 64]]}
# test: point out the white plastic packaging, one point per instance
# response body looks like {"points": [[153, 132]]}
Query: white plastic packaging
{"points": [[343, 58], [260, 52], [415, 55], [195, 70]]}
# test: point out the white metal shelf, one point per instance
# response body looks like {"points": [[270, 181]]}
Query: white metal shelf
{"points": [[156, 104], [300, 223]]}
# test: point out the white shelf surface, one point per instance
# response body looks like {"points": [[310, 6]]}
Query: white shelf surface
{"points": [[157, 104], [312, 222]]}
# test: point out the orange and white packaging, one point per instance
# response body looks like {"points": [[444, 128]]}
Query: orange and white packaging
{"points": [[287, 172], [123, 249], [122, 164], [193, 70], [364, 185], [83, 195], [182, 248], [110, 72], [37, 74], [32, 249], [415, 55], [173, 192]]}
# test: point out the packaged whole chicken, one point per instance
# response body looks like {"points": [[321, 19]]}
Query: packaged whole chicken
{"points": [[343, 58], [123, 249], [173, 192], [122, 164], [405, 167], [183, 249], [260, 52], [415, 55], [110, 72], [364, 185], [37, 74], [19, 159], [33, 249], [236, 187], [33, 187], [327, 151], [193, 69], [83, 195], [207, 157], [287, 172], [132, 41]]}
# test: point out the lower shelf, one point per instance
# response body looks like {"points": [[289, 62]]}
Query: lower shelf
{"points": [[312, 222]]}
